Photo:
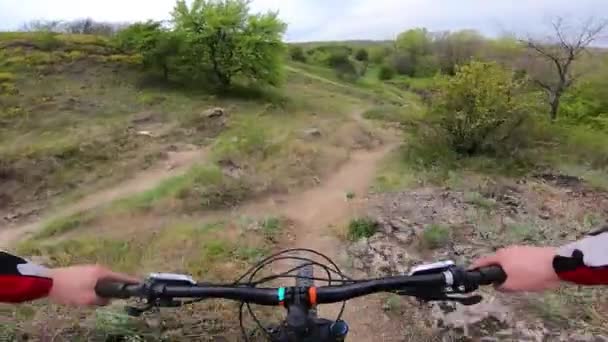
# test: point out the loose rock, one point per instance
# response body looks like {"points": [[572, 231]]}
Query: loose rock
{"points": [[214, 112]]}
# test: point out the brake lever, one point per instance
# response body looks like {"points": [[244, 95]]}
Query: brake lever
{"points": [[466, 301], [441, 297], [160, 279], [448, 293]]}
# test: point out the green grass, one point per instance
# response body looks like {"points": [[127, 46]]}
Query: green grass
{"points": [[522, 232], [248, 138], [554, 308], [436, 236], [6, 77], [393, 303], [63, 225], [361, 228], [271, 227], [121, 255], [177, 187], [479, 200], [251, 254], [199, 247], [202, 187], [395, 174], [395, 114]]}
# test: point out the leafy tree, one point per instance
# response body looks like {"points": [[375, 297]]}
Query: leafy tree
{"points": [[362, 55], [228, 41], [415, 42], [587, 102], [159, 47], [480, 106], [457, 48], [413, 58], [378, 54], [297, 54]]}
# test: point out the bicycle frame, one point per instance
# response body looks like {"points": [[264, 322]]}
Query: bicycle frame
{"points": [[300, 326]]}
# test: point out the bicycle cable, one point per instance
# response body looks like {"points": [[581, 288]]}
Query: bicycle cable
{"points": [[331, 270]]}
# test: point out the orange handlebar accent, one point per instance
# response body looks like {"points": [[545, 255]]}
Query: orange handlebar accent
{"points": [[312, 296]]}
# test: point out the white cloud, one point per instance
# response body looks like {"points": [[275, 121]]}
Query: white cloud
{"points": [[330, 20]]}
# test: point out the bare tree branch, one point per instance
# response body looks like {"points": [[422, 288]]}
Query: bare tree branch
{"points": [[562, 51]]}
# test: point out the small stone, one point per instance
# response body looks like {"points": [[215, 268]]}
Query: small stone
{"points": [[405, 238], [214, 112], [508, 221], [145, 134], [488, 339], [400, 224], [312, 133], [153, 322], [359, 248], [385, 228], [582, 338]]}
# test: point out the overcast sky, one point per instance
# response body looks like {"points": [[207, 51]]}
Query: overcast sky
{"points": [[332, 19]]}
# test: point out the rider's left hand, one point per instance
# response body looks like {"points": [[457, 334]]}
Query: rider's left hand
{"points": [[76, 285]]}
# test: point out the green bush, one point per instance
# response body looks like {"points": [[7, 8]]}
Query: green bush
{"points": [[47, 41], [297, 53], [587, 102], [386, 73], [480, 107], [343, 66], [361, 228], [271, 226], [226, 41], [159, 47], [7, 77], [362, 55], [436, 236], [379, 54]]}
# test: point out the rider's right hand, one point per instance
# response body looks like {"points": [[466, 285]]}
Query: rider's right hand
{"points": [[528, 269]]}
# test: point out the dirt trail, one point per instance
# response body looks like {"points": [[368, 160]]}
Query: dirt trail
{"points": [[314, 212], [175, 164]]}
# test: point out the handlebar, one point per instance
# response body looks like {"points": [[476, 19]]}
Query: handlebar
{"points": [[458, 279]]}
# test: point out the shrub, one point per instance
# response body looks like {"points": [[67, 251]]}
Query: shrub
{"points": [[271, 226], [386, 73], [160, 48], [226, 41], [7, 77], [436, 236], [47, 41], [297, 53], [480, 107], [361, 228], [378, 54], [403, 64], [343, 66], [362, 55]]}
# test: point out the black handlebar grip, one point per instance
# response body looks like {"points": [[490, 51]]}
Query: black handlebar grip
{"points": [[111, 289], [491, 275]]}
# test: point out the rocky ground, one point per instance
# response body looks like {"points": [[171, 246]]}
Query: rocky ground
{"points": [[430, 224]]}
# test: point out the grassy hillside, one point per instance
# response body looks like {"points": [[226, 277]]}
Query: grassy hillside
{"points": [[80, 117], [74, 110], [102, 162]]}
